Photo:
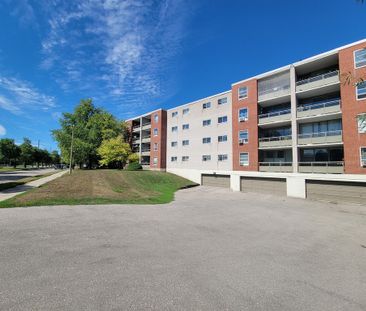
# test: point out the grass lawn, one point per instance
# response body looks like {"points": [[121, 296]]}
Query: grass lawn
{"points": [[104, 187], [23, 181]]}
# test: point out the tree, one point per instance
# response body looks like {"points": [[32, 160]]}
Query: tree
{"points": [[91, 126], [114, 152], [9, 151], [133, 157], [55, 157], [27, 152]]}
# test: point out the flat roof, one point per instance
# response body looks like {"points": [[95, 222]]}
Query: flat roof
{"points": [[144, 115]]}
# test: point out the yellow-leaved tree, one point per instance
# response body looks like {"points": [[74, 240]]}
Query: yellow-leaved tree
{"points": [[114, 152]]}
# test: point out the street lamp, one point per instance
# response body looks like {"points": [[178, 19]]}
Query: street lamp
{"points": [[71, 147]]}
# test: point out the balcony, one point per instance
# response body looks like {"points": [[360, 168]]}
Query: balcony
{"points": [[145, 152], [274, 93], [277, 141], [330, 137], [278, 116], [136, 128], [279, 167], [334, 167], [146, 126], [332, 106], [318, 81], [146, 139]]}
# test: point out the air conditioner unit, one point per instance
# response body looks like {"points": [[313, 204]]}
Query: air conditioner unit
{"points": [[243, 140], [241, 119]]}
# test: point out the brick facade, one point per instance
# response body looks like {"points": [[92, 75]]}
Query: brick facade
{"points": [[160, 140]]}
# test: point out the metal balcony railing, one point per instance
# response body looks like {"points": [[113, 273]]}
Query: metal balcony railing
{"points": [[320, 134], [320, 105], [275, 163], [274, 114], [331, 167], [275, 138], [318, 78]]}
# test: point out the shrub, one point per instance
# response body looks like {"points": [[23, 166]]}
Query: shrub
{"points": [[134, 166], [133, 157]]}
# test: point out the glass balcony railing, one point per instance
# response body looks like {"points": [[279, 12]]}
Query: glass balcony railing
{"points": [[326, 167], [318, 81], [282, 115], [275, 141], [281, 167], [318, 108], [320, 137]]}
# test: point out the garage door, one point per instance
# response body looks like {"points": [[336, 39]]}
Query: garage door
{"points": [[332, 191], [216, 180], [276, 186]]}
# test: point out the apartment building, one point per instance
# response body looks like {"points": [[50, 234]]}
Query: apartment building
{"points": [[148, 138], [299, 130], [199, 135]]}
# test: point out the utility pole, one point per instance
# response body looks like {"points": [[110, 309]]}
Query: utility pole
{"points": [[72, 144]]}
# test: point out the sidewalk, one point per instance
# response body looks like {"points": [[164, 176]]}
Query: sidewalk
{"points": [[12, 192]]}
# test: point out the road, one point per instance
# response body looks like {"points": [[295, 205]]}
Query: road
{"points": [[16, 175], [210, 249]]}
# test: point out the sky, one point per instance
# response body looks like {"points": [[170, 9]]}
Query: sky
{"points": [[134, 56]]}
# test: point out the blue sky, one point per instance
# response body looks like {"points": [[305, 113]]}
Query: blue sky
{"points": [[133, 56]]}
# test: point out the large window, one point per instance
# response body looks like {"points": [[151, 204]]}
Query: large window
{"points": [[175, 129], [243, 92], [206, 105], [244, 159], [321, 155], [185, 126], [243, 137], [222, 119], [206, 122], [360, 58], [361, 119], [363, 156], [206, 140], [222, 101], [206, 158], [243, 114], [222, 138], [321, 127], [274, 84], [361, 91], [222, 157], [185, 142]]}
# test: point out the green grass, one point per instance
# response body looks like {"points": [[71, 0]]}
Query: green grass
{"points": [[104, 187]]}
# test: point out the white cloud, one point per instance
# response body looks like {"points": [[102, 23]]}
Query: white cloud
{"points": [[2, 130], [19, 96], [124, 47]]}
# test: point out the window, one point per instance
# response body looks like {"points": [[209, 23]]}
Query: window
{"points": [[361, 119], [185, 110], [361, 90], [222, 157], [155, 132], [185, 126], [222, 119], [243, 137], [222, 101], [244, 159], [206, 140], [155, 146], [206, 122], [206, 158], [360, 58], [174, 114], [206, 105], [174, 128], [185, 158], [185, 142], [222, 138], [243, 114], [156, 118], [243, 92], [363, 156], [155, 161], [174, 159], [174, 143]]}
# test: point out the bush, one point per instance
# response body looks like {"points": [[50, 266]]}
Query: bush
{"points": [[134, 166], [133, 157]]}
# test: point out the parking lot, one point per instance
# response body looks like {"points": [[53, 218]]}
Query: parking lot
{"points": [[210, 249]]}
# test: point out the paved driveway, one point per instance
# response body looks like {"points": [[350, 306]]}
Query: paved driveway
{"points": [[208, 250], [15, 175]]}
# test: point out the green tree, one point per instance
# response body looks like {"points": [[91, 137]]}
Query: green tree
{"points": [[9, 151], [133, 158], [114, 152], [91, 125], [55, 157], [27, 152]]}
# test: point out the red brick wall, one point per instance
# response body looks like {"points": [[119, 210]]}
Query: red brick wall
{"points": [[351, 107], [251, 102], [160, 140]]}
